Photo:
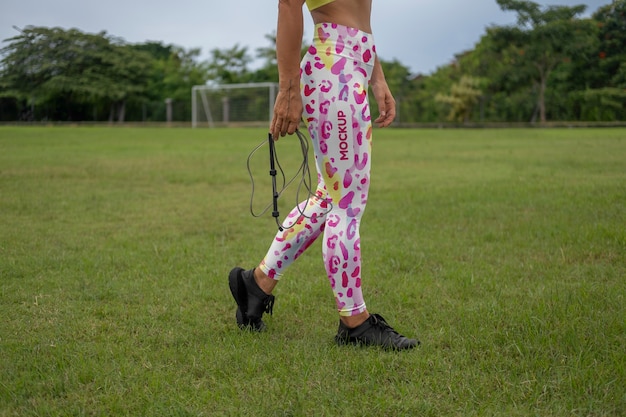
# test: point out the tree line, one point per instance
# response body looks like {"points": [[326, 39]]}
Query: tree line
{"points": [[551, 65]]}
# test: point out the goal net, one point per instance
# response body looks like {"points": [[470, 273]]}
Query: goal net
{"points": [[232, 104]]}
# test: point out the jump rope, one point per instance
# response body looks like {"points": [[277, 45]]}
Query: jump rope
{"points": [[305, 180]]}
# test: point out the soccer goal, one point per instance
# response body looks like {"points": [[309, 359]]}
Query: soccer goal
{"points": [[232, 104]]}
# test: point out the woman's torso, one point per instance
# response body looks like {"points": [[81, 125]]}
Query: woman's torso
{"points": [[351, 13]]}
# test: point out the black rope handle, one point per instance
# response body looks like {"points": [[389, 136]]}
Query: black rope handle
{"points": [[275, 212]]}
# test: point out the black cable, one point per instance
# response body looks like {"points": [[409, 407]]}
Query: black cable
{"points": [[305, 180]]}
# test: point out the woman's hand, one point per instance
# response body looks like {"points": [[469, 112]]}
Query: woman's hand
{"points": [[386, 104], [382, 94], [287, 109]]}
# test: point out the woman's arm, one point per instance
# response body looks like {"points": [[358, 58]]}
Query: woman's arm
{"points": [[383, 96], [288, 105]]}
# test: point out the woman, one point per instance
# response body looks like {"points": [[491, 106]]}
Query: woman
{"points": [[328, 89]]}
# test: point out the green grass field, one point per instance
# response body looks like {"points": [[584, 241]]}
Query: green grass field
{"points": [[504, 251]]}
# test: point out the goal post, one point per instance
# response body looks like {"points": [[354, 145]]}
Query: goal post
{"points": [[232, 104]]}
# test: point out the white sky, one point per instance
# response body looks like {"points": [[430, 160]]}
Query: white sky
{"points": [[421, 34]]}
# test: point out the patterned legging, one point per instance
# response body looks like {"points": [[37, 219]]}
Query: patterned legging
{"points": [[334, 79]]}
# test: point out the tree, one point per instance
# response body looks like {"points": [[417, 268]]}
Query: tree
{"points": [[173, 74], [543, 40], [462, 98], [69, 67], [601, 80], [612, 43], [124, 72], [174, 71], [230, 66]]}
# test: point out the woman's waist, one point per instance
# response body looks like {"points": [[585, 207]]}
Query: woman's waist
{"points": [[335, 39]]}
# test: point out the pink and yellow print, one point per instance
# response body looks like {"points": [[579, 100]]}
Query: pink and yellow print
{"points": [[335, 77]]}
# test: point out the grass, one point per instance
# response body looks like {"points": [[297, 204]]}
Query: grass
{"points": [[504, 251]]}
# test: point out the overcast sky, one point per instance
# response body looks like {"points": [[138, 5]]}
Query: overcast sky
{"points": [[421, 34]]}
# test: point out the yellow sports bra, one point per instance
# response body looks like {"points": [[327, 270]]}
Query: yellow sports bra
{"points": [[314, 4]]}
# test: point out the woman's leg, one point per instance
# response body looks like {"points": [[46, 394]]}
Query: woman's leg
{"points": [[335, 77], [307, 222]]}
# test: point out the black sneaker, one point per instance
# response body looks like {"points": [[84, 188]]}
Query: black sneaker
{"points": [[374, 332], [252, 302]]}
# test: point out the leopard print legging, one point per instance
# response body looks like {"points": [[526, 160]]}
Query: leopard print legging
{"points": [[335, 74]]}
